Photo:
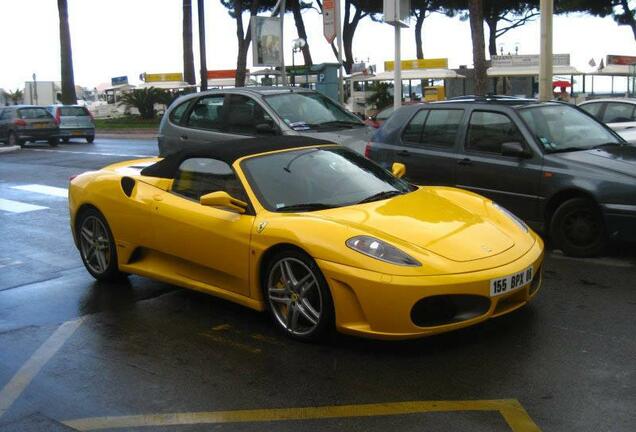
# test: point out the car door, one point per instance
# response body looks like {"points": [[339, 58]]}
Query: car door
{"points": [[208, 244], [203, 123], [511, 181], [429, 146], [620, 116]]}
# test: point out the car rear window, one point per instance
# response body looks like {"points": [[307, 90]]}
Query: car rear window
{"points": [[70, 111], [33, 113]]}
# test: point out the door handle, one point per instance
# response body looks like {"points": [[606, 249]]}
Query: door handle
{"points": [[465, 162], [404, 153], [183, 137]]}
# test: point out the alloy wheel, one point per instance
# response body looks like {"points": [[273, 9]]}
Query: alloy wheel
{"points": [[95, 244], [294, 296]]}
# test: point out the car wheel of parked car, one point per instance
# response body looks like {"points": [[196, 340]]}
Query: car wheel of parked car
{"points": [[298, 296], [14, 140], [90, 139], [577, 228], [97, 246], [53, 142], [65, 140]]}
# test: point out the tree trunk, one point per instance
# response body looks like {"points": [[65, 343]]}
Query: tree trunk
{"points": [[300, 30], [188, 55], [66, 56], [629, 16], [202, 50], [419, 21], [492, 35], [348, 32], [244, 40], [475, 9]]}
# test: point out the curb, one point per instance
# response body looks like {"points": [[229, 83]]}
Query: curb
{"points": [[9, 149]]}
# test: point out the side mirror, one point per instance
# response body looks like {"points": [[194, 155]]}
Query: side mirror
{"points": [[223, 199], [514, 149], [398, 169], [266, 129]]}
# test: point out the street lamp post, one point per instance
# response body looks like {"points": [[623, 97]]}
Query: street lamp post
{"points": [[297, 46]]}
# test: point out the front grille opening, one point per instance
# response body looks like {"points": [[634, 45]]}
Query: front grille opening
{"points": [[448, 309], [536, 281]]}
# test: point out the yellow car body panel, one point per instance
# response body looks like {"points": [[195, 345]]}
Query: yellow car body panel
{"points": [[461, 239]]}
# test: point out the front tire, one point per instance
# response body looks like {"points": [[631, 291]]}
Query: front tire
{"points": [[90, 139], [297, 296], [577, 228], [53, 142], [97, 246], [65, 140]]}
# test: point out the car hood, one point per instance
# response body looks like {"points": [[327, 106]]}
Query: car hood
{"points": [[355, 138], [621, 159], [427, 219]]}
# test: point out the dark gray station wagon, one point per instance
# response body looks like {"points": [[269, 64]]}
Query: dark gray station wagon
{"points": [[552, 164]]}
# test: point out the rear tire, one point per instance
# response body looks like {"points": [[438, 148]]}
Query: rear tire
{"points": [[578, 229], [97, 246], [297, 296], [90, 139], [65, 140], [53, 142], [13, 140]]}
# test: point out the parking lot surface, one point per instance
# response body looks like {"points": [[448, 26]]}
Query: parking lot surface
{"points": [[76, 354]]}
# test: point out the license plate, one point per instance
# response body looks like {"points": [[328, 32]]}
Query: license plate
{"points": [[511, 282], [40, 125], [76, 132]]}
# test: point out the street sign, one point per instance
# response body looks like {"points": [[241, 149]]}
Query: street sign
{"points": [[120, 80], [329, 20]]}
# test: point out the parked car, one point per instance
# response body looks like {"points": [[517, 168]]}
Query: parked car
{"points": [[218, 115], [27, 123], [619, 114], [312, 232], [552, 164], [75, 121]]}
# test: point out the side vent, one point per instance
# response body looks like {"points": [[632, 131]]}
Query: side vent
{"points": [[127, 185]]}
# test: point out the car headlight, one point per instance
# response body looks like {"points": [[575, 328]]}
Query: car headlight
{"points": [[512, 216], [380, 250]]}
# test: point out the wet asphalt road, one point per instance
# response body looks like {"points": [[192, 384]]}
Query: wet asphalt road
{"points": [[144, 347]]}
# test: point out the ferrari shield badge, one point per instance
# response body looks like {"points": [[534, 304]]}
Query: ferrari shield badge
{"points": [[261, 226]]}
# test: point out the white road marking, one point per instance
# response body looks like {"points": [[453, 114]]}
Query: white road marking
{"points": [[32, 367], [43, 189], [91, 153], [18, 207]]}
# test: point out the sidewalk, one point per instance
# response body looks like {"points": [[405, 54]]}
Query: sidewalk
{"points": [[8, 149]]}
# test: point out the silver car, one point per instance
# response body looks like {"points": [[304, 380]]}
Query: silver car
{"points": [[75, 121], [219, 115], [619, 114]]}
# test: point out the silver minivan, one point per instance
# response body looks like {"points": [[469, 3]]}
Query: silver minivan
{"points": [[75, 121], [218, 115]]}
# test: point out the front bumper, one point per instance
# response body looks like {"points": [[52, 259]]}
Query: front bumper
{"points": [[379, 306], [620, 221]]}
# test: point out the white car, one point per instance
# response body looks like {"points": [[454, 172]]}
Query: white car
{"points": [[619, 114]]}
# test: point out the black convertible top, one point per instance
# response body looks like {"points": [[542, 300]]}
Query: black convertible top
{"points": [[228, 152]]}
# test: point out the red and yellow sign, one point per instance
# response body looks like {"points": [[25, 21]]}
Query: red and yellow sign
{"points": [[223, 73], [434, 63]]}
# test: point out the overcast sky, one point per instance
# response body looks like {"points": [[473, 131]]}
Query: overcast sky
{"points": [[128, 37]]}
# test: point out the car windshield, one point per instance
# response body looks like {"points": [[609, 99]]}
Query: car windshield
{"points": [[33, 113], [319, 178], [561, 128], [305, 110]]}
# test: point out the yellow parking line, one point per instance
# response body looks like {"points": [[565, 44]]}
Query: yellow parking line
{"points": [[512, 411], [14, 388]]}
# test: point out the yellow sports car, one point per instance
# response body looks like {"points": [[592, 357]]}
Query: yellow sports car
{"points": [[312, 232]]}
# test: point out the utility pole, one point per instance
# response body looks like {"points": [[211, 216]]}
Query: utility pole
{"points": [[204, 67], [545, 68], [397, 69], [339, 37]]}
